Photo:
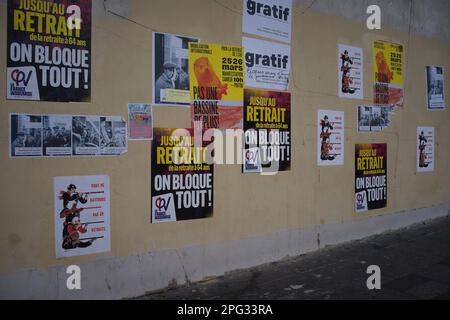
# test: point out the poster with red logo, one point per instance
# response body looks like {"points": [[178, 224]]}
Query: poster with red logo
{"points": [[267, 126], [81, 214], [370, 176], [182, 180], [49, 50]]}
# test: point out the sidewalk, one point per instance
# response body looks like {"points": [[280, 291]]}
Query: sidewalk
{"points": [[414, 263]]}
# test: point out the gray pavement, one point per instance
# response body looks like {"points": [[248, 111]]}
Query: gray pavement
{"points": [[414, 264]]}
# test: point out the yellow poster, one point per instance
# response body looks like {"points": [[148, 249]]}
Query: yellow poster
{"points": [[388, 73], [216, 85]]}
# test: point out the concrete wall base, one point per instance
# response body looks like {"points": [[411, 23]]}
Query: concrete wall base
{"points": [[115, 278]]}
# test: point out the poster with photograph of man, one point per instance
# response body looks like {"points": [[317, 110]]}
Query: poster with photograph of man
{"points": [[384, 117], [435, 88], [113, 135], [171, 69], [57, 135], [86, 135], [25, 136], [373, 118]]}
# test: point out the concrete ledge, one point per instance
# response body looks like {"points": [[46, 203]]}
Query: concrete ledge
{"points": [[116, 278]]}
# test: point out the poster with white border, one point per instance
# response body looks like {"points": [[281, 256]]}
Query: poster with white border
{"points": [[425, 149], [435, 88], [267, 64], [330, 137], [140, 121], [81, 215], [351, 72], [50, 135], [170, 77], [268, 18]]}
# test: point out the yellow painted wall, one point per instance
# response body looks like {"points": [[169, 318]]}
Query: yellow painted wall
{"points": [[245, 205]]}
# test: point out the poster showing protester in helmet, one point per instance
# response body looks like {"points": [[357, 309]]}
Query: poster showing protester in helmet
{"points": [[350, 71], [49, 50], [81, 215], [113, 136], [57, 136], [86, 135], [330, 138]]}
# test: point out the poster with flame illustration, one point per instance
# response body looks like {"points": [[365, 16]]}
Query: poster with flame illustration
{"points": [[216, 85], [388, 73]]}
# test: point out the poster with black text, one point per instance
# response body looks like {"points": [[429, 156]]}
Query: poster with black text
{"points": [[425, 149], [268, 18], [81, 215], [49, 50], [350, 71], [267, 64], [330, 138]]}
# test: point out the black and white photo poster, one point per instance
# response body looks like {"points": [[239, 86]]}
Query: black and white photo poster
{"points": [[66, 135], [435, 88], [373, 118], [25, 135], [57, 136], [171, 69]]}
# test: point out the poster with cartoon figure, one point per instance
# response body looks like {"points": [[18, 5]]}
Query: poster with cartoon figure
{"points": [[81, 215], [330, 138], [425, 149], [350, 71]]}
